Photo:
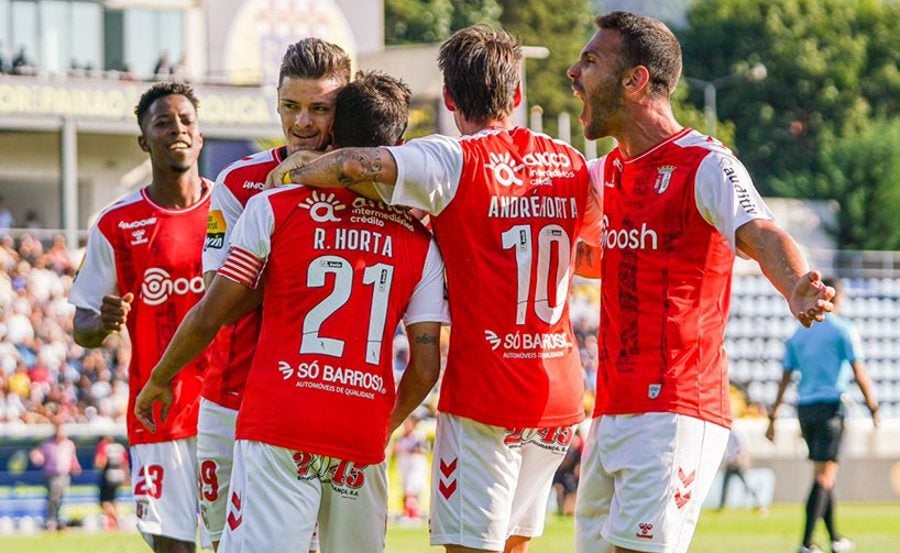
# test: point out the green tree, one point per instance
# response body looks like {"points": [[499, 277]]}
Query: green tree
{"points": [[563, 26], [431, 21], [862, 172]]}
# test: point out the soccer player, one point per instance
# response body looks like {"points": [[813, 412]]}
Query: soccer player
{"points": [[506, 206], [312, 72], [824, 356], [142, 271], [320, 402], [677, 206]]}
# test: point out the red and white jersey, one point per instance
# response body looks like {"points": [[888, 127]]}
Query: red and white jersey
{"points": [[340, 272], [232, 351], [506, 208], [140, 247], [669, 223]]}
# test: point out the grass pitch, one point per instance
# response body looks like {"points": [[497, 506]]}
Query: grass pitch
{"points": [[873, 526]]}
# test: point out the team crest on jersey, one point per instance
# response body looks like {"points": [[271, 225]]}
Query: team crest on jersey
{"points": [[215, 230], [662, 178], [504, 168], [653, 391], [322, 207]]}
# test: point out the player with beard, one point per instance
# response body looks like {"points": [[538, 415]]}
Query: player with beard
{"points": [[677, 207]]}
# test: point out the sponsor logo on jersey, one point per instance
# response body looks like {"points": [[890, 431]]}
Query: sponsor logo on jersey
{"points": [[159, 286], [505, 170], [215, 230], [664, 175], [128, 225], [643, 238], [337, 380], [529, 345], [742, 193], [375, 213], [139, 237], [322, 207], [250, 185]]}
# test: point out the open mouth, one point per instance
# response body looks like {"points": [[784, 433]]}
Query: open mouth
{"points": [[179, 146]]}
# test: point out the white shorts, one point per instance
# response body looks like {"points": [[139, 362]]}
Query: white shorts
{"points": [[643, 480], [215, 451], [277, 495], [489, 482], [164, 480]]}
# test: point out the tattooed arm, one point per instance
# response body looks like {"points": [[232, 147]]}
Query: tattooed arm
{"points": [[587, 260], [421, 373], [356, 168]]}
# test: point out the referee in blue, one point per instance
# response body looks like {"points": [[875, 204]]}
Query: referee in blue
{"points": [[824, 356]]}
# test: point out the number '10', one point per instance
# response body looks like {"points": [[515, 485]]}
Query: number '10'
{"points": [[519, 239]]}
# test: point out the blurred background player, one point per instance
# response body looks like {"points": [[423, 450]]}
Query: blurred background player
{"points": [[736, 464], [58, 462], [142, 270], [320, 403], [111, 461], [506, 206], [312, 72], [677, 206], [411, 455], [824, 356]]}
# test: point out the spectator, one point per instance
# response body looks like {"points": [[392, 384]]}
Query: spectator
{"points": [[411, 454], [58, 463], [111, 459], [163, 67], [7, 220], [737, 461], [32, 220]]}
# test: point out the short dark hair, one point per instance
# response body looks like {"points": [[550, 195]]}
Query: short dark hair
{"points": [[481, 67], [314, 58], [161, 90], [647, 41], [373, 110]]}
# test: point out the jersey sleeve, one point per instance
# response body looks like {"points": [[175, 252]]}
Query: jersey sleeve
{"points": [[224, 210], [428, 303], [251, 242], [726, 196], [592, 227], [97, 276], [852, 344], [428, 173]]}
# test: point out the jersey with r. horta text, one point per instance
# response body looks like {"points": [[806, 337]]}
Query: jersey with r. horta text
{"points": [[669, 241], [340, 272], [506, 209], [232, 351], [152, 252]]}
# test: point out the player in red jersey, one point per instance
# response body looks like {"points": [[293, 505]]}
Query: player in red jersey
{"points": [[319, 402], [142, 272], [506, 206], [312, 72], [677, 207]]}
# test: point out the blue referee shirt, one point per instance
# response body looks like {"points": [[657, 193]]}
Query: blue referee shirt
{"points": [[822, 354]]}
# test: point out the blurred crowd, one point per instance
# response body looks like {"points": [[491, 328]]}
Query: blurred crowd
{"points": [[44, 375]]}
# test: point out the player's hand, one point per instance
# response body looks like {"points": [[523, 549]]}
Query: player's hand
{"points": [[770, 431], [114, 312], [282, 174], [811, 299], [150, 394]]}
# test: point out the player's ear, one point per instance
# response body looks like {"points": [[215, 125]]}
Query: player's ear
{"points": [[517, 95], [448, 100], [142, 142]]}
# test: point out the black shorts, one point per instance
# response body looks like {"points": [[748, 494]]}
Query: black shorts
{"points": [[108, 492], [822, 425]]}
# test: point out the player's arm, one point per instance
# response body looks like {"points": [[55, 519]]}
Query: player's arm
{"points": [[865, 386], [786, 377], [196, 331], [345, 167], [251, 301], [91, 327], [587, 260], [421, 373], [781, 261]]}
